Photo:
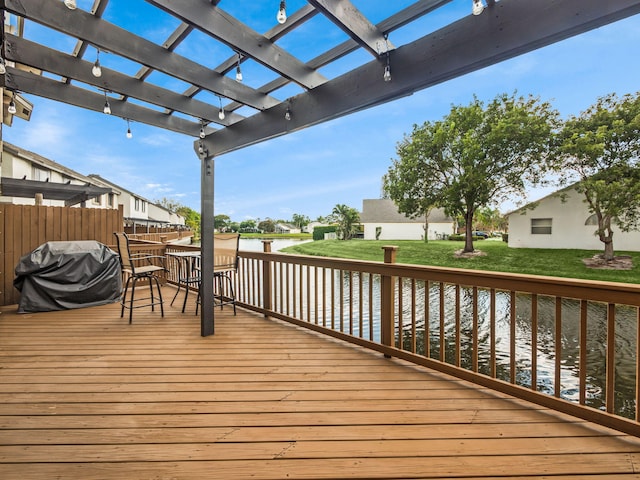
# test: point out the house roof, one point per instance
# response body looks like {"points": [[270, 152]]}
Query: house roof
{"points": [[312, 90], [383, 210], [531, 205]]}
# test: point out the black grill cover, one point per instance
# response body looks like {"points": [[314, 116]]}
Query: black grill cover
{"points": [[64, 275]]}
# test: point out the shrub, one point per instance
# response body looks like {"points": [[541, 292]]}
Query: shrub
{"points": [[318, 232]]}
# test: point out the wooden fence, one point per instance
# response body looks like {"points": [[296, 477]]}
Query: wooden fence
{"points": [[25, 227]]}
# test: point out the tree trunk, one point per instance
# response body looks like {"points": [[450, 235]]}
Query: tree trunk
{"points": [[468, 237], [608, 250]]}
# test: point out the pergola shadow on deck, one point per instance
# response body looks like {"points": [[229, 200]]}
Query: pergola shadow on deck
{"points": [[86, 396]]}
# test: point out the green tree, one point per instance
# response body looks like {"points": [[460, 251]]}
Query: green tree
{"points": [[191, 217], [249, 225], [475, 156], [300, 220], [347, 218], [601, 147], [267, 226], [488, 218], [221, 222]]}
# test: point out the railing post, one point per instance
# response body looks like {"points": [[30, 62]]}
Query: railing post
{"points": [[388, 299], [266, 277]]}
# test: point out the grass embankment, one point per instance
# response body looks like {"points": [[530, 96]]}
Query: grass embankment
{"points": [[499, 257]]}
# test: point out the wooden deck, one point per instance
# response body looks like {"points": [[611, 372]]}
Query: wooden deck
{"points": [[86, 396]]}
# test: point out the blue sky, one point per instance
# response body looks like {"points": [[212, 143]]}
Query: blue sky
{"points": [[339, 162]]}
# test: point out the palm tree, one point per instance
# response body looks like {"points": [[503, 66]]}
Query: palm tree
{"points": [[347, 217]]}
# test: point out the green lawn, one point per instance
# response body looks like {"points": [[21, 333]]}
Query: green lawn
{"points": [[501, 258]]}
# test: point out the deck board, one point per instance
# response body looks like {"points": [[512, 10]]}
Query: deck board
{"points": [[84, 395]]}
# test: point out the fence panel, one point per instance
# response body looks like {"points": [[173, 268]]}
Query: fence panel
{"points": [[25, 227]]}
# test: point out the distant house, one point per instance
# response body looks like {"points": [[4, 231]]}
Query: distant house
{"points": [[382, 221], [562, 220], [286, 228], [138, 211], [27, 178]]}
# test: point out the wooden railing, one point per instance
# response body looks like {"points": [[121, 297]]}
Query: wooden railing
{"points": [[162, 237], [571, 345]]}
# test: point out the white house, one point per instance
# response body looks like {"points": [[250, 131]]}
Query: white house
{"points": [[27, 178], [137, 210], [382, 221], [562, 220], [286, 228]]}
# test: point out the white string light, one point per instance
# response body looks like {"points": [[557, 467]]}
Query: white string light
{"points": [[70, 4], [97, 70], [282, 12], [129, 134], [107, 107]]}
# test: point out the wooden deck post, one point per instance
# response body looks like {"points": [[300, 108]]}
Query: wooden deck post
{"points": [[266, 277], [388, 299]]}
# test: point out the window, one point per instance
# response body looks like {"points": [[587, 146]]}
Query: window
{"points": [[110, 200], [39, 174], [592, 220], [541, 226], [97, 200]]}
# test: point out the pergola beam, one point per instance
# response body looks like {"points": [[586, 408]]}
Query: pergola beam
{"points": [[111, 38], [348, 18], [46, 59], [62, 92], [507, 29], [220, 25]]}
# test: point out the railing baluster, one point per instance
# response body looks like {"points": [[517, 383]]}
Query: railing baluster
{"points": [[457, 328], [611, 358], [400, 333], [492, 320], [414, 340], [341, 296], [558, 349], [371, 337], [427, 319], [474, 332], [442, 324], [324, 297], [534, 342], [333, 299], [360, 306], [512, 337], [637, 416], [350, 277], [387, 303], [582, 365]]}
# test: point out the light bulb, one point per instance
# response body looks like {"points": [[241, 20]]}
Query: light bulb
{"points": [[282, 13], [478, 7], [96, 70], [287, 114], [70, 4], [3, 68], [202, 134], [129, 134], [107, 108], [238, 74], [200, 148], [12, 107], [387, 74], [221, 114]]}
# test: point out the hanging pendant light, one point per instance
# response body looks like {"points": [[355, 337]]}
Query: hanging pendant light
{"points": [[238, 71], [107, 107], [129, 134], [3, 68], [70, 4], [478, 7], [97, 70], [12, 107], [282, 12], [221, 114]]}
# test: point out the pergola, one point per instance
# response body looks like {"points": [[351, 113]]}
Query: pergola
{"points": [[385, 71]]}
